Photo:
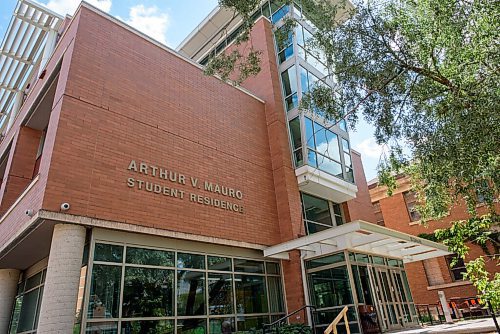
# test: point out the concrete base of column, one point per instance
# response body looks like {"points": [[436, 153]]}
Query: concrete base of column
{"points": [[8, 289], [57, 312]]}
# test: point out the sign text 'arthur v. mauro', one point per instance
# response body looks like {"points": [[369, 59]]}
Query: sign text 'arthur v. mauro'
{"points": [[170, 183]]}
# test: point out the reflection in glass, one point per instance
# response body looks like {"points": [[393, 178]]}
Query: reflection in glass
{"points": [[195, 261], [272, 268], [220, 294], [190, 293], [15, 315], [148, 327], [248, 266], [28, 311], [101, 328], [151, 257], [276, 303], [219, 263], [316, 209], [330, 287], [104, 291], [251, 324], [108, 253], [250, 294], [222, 326], [148, 292], [326, 260], [191, 326]]}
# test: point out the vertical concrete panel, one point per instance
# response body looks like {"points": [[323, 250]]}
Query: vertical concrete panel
{"points": [[57, 313], [8, 288]]}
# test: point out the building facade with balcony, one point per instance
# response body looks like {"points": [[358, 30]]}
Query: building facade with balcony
{"points": [[140, 195]]}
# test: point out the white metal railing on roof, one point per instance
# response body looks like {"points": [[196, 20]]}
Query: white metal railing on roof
{"points": [[21, 52]]}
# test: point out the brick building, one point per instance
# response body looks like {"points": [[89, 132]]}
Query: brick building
{"points": [[429, 276], [140, 195]]}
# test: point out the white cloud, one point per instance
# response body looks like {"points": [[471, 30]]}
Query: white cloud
{"points": [[369, 148], [149, 20], [70, 6]]}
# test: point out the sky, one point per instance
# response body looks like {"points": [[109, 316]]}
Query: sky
{"points": [[169, 22]]}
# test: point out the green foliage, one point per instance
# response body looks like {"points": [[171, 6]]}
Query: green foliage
{"points": [[234, 64], [425, 74], [489, 288], [479, 230], [294, 329]]}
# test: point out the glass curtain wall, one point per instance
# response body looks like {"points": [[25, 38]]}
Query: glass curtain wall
{"points": [[143, 290], [301, 68], [315, 141], [374, 288]]}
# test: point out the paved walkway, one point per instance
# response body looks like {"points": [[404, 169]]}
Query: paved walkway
{"points": [[485, 325]]}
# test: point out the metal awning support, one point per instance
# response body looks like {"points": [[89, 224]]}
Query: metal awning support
{"points": [[364, 237], [21, 50]]}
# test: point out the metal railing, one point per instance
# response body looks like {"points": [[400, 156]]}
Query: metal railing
{"points": [[276, 324]]}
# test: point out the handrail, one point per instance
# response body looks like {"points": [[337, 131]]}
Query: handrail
{"points": [[333, 325], [289, 315]]}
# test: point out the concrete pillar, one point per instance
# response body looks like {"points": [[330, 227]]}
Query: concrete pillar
{"points": [[8, 289], [57, 312]]}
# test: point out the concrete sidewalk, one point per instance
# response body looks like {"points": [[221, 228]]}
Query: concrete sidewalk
{"points": [[485, 325]]}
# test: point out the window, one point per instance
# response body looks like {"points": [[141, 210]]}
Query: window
{"points": [[27, 304], [39, 153], [323, 149], [295, 137], [284, 45], [411, 202], [318, 215], [458, 269], [163, 291], [311, 55], [379, 217], [433, 272], [289, 81]]}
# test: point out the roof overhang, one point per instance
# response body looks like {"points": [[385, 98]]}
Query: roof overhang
{"points": [[195, 45], [362, 237], [22, 48]]}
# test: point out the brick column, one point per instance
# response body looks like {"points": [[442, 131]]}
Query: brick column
{"points": [[8, 288], [57, 312]]}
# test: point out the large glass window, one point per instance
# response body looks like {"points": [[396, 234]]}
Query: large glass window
{"points": [[163, 291], [317, 214], [250, 294], [190, 293], [324, 150], [148, 292], [284, 44], [330, 287], [306, 51], [104, 291]]}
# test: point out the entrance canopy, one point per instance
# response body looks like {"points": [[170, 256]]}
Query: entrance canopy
{"points": [[363, 237]]}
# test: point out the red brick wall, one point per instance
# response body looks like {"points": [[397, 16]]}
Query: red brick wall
{"points": [[129, 99], [361, 207], [15, 218], [266, 85], [19, 171], [396, 217]]}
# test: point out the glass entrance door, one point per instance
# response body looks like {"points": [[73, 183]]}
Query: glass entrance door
{"points": [[388, 302]]}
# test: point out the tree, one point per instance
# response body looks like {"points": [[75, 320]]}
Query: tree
{"points": [[425, 73]]}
